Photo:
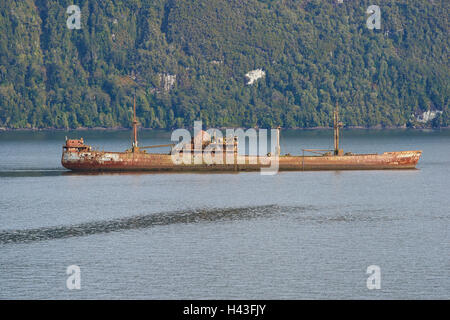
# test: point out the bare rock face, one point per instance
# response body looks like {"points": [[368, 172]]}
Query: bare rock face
{"points": [[254, 75], [167, 81], [427, 116]]}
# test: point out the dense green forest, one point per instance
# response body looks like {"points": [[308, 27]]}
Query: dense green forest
{"points": [[187, 60]]}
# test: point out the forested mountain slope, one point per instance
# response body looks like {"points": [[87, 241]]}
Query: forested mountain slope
{"points": [[188, 61]]}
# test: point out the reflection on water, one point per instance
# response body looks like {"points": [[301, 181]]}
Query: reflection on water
{"points": [[62, 172], [178, 217], [32, 173], [138, 222]]}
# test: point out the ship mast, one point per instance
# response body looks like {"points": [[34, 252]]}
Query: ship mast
{"points": [[336, 126], [135, 123]]}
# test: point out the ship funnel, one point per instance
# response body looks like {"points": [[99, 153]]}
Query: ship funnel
{"points": [[336, 125], [278, 150]]}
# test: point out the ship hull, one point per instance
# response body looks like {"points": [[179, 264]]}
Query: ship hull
{"points": [[140, 161]]}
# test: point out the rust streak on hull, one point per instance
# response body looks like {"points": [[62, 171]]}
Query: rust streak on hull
{"points": [[141, 161]]}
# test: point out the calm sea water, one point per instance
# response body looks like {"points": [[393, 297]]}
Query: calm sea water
{"points": [[294, 235]]}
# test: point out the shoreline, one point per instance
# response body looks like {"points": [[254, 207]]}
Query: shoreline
{"points": [[3, 129]]}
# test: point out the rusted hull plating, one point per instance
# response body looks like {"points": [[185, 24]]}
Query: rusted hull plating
{"points": [[141, 161]]}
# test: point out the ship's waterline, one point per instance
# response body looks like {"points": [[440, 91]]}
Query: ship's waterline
{"points": [[102, 161]]}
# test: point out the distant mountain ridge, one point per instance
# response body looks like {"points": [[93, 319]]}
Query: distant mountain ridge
{"points": [[188, 61]]}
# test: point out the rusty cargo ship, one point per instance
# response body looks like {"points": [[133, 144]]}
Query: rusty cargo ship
{"points": [[78, 156]]}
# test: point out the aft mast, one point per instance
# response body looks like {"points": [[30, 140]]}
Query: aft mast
{"points": [[135, 123]]}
